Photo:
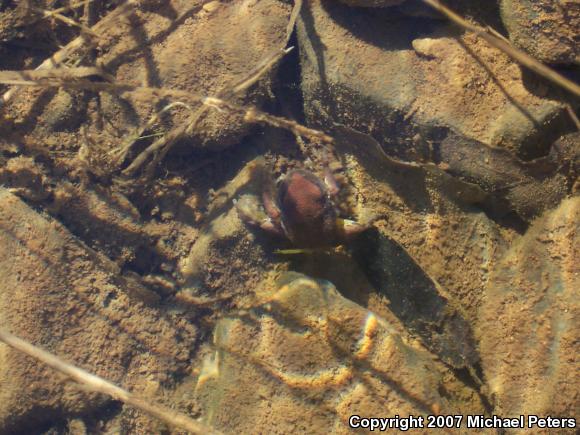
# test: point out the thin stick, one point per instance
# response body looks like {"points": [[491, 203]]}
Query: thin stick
{"points": [[122, 152], [69, 7], [250, 114], [100, 385], [258, 72], [573, 116], [64, 74], [66, 20], [76, 44], [161, 147], [503, 45]]}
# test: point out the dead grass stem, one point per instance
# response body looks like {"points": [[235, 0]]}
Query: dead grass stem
{"points": [[505, 46], [158, 149], [100, 385], [66, 20], [60, 78], [79, 43]]}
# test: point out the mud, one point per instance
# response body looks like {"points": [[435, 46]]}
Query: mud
{"points": [[458, 300]]}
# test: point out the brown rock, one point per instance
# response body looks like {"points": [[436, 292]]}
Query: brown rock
{"points": [[528, 324], [177, 45], [219, 48], [546, 29], [226, 259], [57, 293], [308, 359], [392, 76], [433, 252], [511, 184]]}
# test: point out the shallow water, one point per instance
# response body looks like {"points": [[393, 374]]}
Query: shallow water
{"points": [[207, 254]]}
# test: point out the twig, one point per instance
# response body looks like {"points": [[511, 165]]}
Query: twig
{"points": [[258, 72], [66, 20], [100, 385], [86, 12], [292, 21], [254, 115], [162, 146], [69, 7], [77, 43], [251, 114], [573, 116], [121, 153], [503, 45], [64, 74]]}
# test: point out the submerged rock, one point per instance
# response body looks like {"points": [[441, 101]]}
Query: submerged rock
{"points": [[226, 259], [421, 303], [528, 322], [546, 29], [565, 155], [434, 217], [307, 359], [511, 184], [218, 49], [183, 46], [471, 172], [61, 295], [393, 76]]}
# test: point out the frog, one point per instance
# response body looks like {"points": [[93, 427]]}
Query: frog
{"points": [[303, 210]]}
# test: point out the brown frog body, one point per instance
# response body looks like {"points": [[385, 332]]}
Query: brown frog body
{"points": [[303, 211]]}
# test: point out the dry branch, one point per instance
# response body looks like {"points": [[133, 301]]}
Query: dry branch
{"points": [[161, 147], [258, 72], [69, 7], [250, 114], [503, 45], [24, 78], [100, 385], [65, 19], [77, 44], [121, 153]]}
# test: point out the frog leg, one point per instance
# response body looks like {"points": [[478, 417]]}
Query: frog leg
{"points": [[270, 206], [349, 229], [272, 227], [330, 182], [252, 212]]}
